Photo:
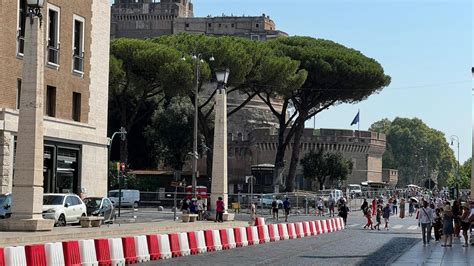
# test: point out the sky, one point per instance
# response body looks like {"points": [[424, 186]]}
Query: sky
{"points": [[424, 45]]}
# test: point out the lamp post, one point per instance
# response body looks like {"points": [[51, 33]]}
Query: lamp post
{"points": [[456, 138], [197, 62], [123, 134], [219, 157]]}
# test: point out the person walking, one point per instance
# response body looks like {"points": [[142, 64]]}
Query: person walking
{"points": [[253, 213], [425, 219], [364, 207], [378, 217], [275, 209], [402, 208], [369, 220], [374, 206], [219, 210], [320, 205], [200, 208], [411, 208], [438, 224], [343, 211], [331, 204], [386, 215], [286, 207], [448, 229], [465, 224], [456, 217], [394, 206]]}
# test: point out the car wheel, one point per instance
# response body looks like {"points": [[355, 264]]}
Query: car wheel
{"points": [[135, 205], [61, 221]]}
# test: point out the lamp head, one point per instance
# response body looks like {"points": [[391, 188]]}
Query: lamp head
{"points": [[222, 75]]}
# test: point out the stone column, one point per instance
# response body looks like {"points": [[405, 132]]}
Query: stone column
{"points": [[6, 165], [219, 157], [27, 202]]}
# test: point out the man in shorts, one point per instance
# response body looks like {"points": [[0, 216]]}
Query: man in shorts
{"points": [[275, 209]]}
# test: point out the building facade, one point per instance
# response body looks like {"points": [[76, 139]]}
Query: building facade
{"points": [[75, 93], [148, 19]]}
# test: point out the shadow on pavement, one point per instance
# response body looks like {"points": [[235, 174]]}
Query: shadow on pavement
{"points": [[390, 251]]}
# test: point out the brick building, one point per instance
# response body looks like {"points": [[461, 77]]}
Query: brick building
{"points": [[76, 92]]}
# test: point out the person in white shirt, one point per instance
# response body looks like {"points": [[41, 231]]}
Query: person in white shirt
{"points": [[425, 220]]}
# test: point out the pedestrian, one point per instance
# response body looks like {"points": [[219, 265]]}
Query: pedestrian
{"points": [[364, 207], [378, 217], [425, 219], [343, 211], [185, 206], [438, 224], [331, 203], [456, 217], [374, 205], [411, 208], [402, 208], [200, 208], [253, 213], [465, 224], [286, 207], [369, 219], [394, 206], [220, 210], [448, 229], [193, 206], [275, 209], [320, 205], [386, 215]]}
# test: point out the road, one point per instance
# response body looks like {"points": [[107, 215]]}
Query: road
{"points": [[353, 246]]}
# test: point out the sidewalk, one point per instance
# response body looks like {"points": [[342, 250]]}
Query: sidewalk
{"points": [[435, 254], [114, 230]]}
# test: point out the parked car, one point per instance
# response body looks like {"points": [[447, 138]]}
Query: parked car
{"points": [[267, 199], [63, 208], [100, 206], [5, 205], [130, 197], [355, 190]]}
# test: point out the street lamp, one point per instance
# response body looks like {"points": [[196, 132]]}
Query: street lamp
{"points": [[197, 62], [456, 138], [35, 8]]}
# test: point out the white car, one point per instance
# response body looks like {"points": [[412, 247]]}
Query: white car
{"points": [[267, 200], [63, 208]]}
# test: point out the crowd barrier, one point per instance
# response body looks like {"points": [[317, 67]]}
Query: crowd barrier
{"points": [[143, 248]]}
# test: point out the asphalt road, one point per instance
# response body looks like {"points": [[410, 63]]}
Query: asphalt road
{"points": [[352, 246]]}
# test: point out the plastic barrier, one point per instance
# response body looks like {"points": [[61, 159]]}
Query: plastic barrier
{"points": [[291, 230], [324, 228], [2, 257], [72, 255], [259, 221], [129, 252], [209, 240], [261, 237], [271, 234], [164, 246], [54, 253], [216, 237], [116, 251], [248, 233], [298, 230], [201, 242], [230, 237], [311, 228], [223, 238], [276, 233], [141, 248], [87, 251], [334, 225], [283, 231], [329, 226], [307, 229], [153, 246], [266, 235], [174, 245], [243, 236], [15, 256], [343, 226], [255, 238], [237, 237], [319, 228], [35, 255], [192, 242], [102, 252], [184, 244]]}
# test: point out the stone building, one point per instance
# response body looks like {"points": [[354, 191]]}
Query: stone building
{"points": [[148, 19], [76, 92]]}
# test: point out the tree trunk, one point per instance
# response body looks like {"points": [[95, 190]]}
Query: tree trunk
{"points": [[295, 153], [280, 154]]}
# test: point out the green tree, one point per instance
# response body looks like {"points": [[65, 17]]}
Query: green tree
{"points": [[330, 167], [465, 176], [334, 74]]}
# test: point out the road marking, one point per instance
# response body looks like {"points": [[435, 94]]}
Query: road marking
{"points": [[352, 225], [413, 227], [398, 226]]}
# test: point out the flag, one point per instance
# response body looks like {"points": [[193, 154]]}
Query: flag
{"points": [[356, 119]]}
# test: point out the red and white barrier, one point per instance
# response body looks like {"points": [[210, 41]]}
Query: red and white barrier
{"points": [[301, 230], [209, 240], [116, 251], [243, 241], [193, 247], [312, 230], [153, 247], [276, 233], [174, 245], [224, 239], [255, 238], [15, 256], [319, 227], [216, 237], [283, 231], [231, 237], [184, 244], [2, 257], [87, 251], [324, 228], [102, 252], [248, 232], [164, 243], [307, 229], [141, 248], [259, 221], [35, 255], [201, 242], [72, 255], [54, 253], [291, 230]]}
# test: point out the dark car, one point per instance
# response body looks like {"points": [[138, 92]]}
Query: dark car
{"points": [[5, 205], [100, 206]]}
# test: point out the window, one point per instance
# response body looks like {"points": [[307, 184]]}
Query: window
{"points": [[76, 106], [220, 25], [232, 25], [50, 101], [257, 25], [78, 44], [18, 93], [209, 25], [22, 13], [187, 25], [53, 35]]}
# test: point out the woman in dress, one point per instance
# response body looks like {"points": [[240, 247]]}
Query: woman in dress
{"points": [[448, 228], [402, 208]]}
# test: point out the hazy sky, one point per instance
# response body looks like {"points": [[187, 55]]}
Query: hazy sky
{"points": [[424, 45]]}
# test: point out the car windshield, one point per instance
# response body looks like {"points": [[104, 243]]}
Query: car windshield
{"points": [[53, 200], [92, 202], [114, 194]]}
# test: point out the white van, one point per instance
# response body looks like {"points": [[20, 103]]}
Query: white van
{"points": [[355, 190], [130, 197]]}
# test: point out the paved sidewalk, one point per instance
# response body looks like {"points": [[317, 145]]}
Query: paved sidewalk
{"points": [[435, 254]]}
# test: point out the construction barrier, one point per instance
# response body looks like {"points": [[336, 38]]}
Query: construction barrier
{"points": [[256, 241], [209, 240], [283, 231], [128, 243], [35, 255], [297, 230], [141, 248], [153, 247], [259, 221], [319, 228], [164, 245], [116, 252], [312, 230], [174, 245], [184, 244], [54, 253], [248, 233], [291, 230], [192, 242], [324, 228], [216, 237], [201, 242], [334, 225], [243, 236], [231, 237], [2, 257], [276, 233], [307, 229], [15, 256], [271, 234], [72, 255], [87, 251], [102, 252]]}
